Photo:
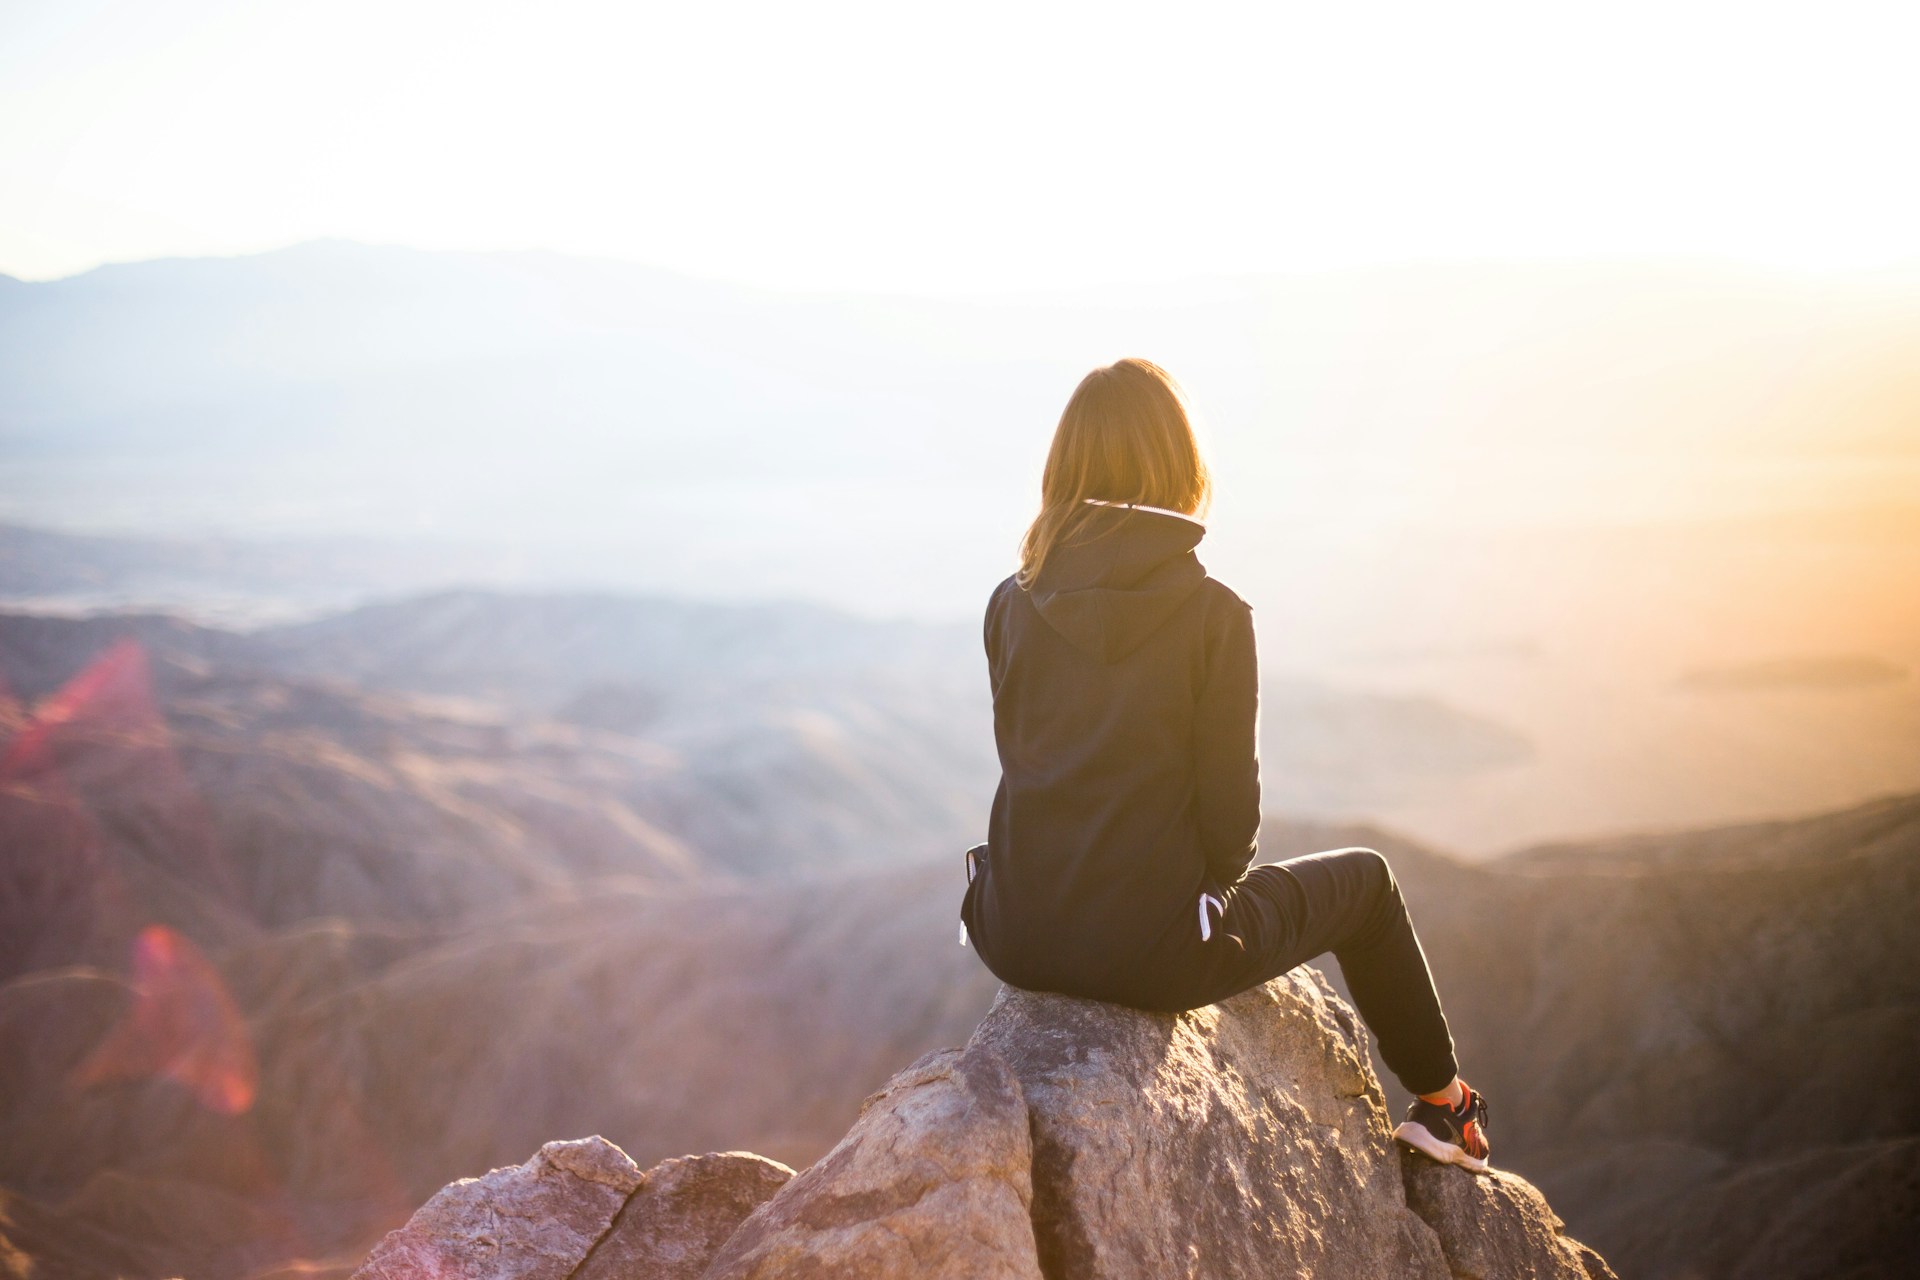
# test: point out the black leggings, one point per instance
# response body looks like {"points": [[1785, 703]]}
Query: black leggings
{"points": [[1283, 914]]}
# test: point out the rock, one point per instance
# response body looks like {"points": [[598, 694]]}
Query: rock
{"points": [[580, 1210], [932, 1181], [1068, 1140], [1247, 1139], [1496, 1227], [681, 1213], [1244, 1139], [534, 1221]]}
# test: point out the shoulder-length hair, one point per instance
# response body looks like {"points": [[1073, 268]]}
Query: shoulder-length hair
{"points": [[1125, 436]]}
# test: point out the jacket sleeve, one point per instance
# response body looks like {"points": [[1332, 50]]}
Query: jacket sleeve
{"points": [[1226, 749], [990, 628]]}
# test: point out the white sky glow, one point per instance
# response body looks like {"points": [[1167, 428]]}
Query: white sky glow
{"points": [[955, 148]]}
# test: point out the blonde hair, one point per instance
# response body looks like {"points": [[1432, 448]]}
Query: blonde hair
{"points": [[1125, 436]]}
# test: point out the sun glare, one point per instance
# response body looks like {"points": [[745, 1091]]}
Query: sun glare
{"points": [[1000, 146]]}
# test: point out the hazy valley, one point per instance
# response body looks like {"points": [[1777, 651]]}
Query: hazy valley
{"points": [[441, 927], [1553, 499], [450, 702]]}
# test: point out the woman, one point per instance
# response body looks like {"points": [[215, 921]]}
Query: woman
{"points": [[1118, 861]]}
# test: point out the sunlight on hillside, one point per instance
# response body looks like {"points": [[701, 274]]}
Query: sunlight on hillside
{"points": [[497, 508], [1538, 497]]}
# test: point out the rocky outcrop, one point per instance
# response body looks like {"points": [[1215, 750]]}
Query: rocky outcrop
{"points": [[579, 1209], [1495, 1228], [1242, 1139], [538, 1220], [934, 1180], [1067, 1139], [680, 1214]]}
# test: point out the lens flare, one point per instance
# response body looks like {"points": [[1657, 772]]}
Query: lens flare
{"points": [[182, 1026]]}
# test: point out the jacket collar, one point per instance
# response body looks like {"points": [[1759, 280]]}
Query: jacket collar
{"points": [[1106, 593], [1141, 506]]}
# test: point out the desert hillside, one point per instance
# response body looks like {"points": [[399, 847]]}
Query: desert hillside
{"points": [[1691, 1034], [1537, 552], [287, 950]]}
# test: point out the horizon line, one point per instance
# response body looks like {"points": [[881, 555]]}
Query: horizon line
{"points": [[1673, 260]]}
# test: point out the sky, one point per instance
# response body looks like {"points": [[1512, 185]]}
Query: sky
{"points": [[954, 149]]}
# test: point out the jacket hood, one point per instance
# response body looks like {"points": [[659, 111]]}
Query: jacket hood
{"points": [[1126, 573]]}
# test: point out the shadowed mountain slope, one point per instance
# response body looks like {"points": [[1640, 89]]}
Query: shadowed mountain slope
{"points": [[283, 955], [1697, 1042], [769, 739], [697, 731]]}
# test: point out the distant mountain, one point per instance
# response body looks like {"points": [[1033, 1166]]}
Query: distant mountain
{"points": [[239, 582], [646, 664], [358, 905], [1702, 1067], [162, 781], [656, 431], [1695, 1042], [798, 736], [345, 343], [1832, 671], [513, 393], [1385, 734], [537, 652], [1559, 497]]}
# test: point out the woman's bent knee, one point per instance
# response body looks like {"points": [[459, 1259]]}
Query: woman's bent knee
{"points": [[1373, 867], [1384, 908]]}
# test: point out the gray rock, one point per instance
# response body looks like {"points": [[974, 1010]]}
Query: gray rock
{"points": [[533, 1221], [680, 1215], [1244, 1139], [1069, 1139], [1496, 1227], [931, 1182], [580, 1210]]}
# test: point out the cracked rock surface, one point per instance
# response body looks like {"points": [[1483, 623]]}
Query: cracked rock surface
{"points": [[1068, 1140], [579, 1209], [681, 1213], [932, 1181], [535, 1220], [1244, 1139], [1496, 1226]]}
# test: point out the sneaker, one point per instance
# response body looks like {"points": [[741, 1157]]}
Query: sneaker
{"points": [[1449, 1136]]}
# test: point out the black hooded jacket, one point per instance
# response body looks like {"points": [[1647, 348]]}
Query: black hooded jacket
{"points": [[1125, 706]]}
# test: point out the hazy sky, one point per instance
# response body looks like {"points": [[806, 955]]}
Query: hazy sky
{"points": [[950, 148]]}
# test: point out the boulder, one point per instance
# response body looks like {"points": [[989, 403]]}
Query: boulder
{"points": [[1068, 1140], [931, 1182], [583, 1210], [1244, 1139], [1496, 1227], [680, 1214], [533, 1221], [1241, 1140]]}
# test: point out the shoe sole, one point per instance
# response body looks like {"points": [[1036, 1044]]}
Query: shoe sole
{"points": [[1422, 1140]]}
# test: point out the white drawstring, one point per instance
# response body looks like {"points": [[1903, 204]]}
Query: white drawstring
{"points": [[963, 919], [1141, 506], [1206, 900], [1206, 925]]}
